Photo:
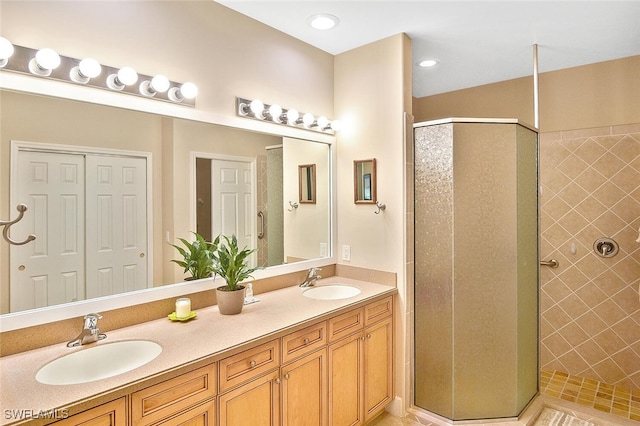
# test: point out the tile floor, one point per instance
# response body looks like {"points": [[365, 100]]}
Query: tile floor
{"points": [[591, 393], [567, 396]]}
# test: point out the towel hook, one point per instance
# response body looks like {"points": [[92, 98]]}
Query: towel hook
{"points": [[8, 223], [380, 206], [293, 206]]}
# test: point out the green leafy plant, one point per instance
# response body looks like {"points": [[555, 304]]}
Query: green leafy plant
{"points": [[231, 263], [197, 256]]}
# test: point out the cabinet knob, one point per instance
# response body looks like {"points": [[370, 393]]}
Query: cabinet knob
{"points": [[306, 340], [278, 381], [369, 336], [286, 376], [362, 338], [252, 363]]}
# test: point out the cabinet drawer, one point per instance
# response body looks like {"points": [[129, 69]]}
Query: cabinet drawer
{"points": [[376, 311], [303, 341], [168, 398], [113, 413], [249, 364], [345, 324]]}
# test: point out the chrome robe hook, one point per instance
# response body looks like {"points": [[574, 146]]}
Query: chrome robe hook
{"points": [[380, 207], [7, 225]]}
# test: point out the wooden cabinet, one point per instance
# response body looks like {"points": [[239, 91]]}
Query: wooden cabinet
{"points": [[249, 364], [113, 413], [336, 372], [256, 403], [202, 415], [377, 371], [173, 396], [360, 368], [304, 390]]}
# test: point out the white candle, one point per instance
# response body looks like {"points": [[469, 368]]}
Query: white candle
{"points": [[183, 307]]}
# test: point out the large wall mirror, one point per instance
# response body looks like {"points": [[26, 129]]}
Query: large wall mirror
{"points": [[189, 176]]}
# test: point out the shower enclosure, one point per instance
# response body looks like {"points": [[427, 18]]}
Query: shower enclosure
{"points": [[476, 268]]}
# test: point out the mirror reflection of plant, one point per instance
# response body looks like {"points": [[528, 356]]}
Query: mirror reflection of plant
{"points": [[231, 263], [197, 257]]}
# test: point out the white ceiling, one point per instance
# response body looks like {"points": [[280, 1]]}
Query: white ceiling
{"points": [[477, 42]]}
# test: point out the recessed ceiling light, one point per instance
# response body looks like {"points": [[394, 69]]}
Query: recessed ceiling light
{"points": [[428, 63], [322, 21]]}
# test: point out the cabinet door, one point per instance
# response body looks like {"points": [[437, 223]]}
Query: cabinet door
{"points": [[378, 377], [345, 381], [256, 403], [304, 391], [113, 413]]}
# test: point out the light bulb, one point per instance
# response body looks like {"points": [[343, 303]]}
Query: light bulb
{"points": [[160, 83], [322, 122], [48, 59], [45, 61], [89, 67], [308, 119], [189, 90], [6, 50], [292, 116], [336, 125], [257, 107], [127, 76], [275, 111]]}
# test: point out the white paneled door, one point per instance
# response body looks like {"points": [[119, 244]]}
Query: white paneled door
{"points": [[233, 200], [50, 269], [89, 215], [116, 225]]}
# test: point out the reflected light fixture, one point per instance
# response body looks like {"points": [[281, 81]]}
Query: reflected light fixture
{"points": [[274, 113], [45, 61], [6, 51], [322, 21], [87, 69], [126, 76]]}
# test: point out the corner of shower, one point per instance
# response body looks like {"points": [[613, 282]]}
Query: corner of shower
{"points": [[475, 352]]}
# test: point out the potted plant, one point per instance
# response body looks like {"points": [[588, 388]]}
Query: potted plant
{"points": [[232, 264], [197, 257]]}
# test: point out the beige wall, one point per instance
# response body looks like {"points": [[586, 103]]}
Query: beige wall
{"points": [[602, 94], [372, 90]]}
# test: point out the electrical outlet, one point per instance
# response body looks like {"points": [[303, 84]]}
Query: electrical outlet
{"points": [[346, 253], [323, 249]]}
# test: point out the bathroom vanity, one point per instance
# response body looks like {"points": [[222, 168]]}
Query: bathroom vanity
{"points": [[286, 360]]}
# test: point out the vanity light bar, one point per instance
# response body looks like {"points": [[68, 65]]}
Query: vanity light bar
{"points": [[46, 63], [274, 113]]}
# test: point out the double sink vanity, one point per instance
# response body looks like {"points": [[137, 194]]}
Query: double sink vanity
{"points": [[320, 356]]}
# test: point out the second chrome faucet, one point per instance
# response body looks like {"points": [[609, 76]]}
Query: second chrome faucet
{"points": [[312, 277]]}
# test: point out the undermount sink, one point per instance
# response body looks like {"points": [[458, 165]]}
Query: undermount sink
{"points": [[331, 292], [98, 362]]}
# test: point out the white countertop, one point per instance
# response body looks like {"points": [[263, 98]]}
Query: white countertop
{"points": [[183, 343]]}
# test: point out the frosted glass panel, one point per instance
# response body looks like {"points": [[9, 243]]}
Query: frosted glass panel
{"points": [[476, 260]]}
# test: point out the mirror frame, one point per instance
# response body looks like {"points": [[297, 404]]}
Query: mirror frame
{"points": [[358, 182], [303, 169], [34, 85]]}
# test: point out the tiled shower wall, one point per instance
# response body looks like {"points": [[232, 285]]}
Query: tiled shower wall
{"points": [[590, 306]]}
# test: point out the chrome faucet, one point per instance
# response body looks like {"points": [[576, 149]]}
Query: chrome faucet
{"points": [[312, 277], [90, 333]]}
